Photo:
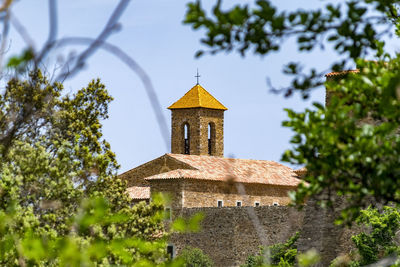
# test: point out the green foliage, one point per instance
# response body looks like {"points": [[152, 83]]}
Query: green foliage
{"points": [[309, 258], [60, 202], [191, 224], [351, 147], [351, 29], [20, 63], [195, 257], [254, 260], [379, 240], [282, 254], [286, 251]]}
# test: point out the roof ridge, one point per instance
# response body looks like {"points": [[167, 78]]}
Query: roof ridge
{"points": [[173, 158], [141, 165], [225, 158], [198, 87]]}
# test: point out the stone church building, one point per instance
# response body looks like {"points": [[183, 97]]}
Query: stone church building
{"points": [[201, 180], [196, 174]]}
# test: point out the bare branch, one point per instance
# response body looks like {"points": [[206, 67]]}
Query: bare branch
{"points": [[22, 31], [6, 5], [135, 67], [108, 29], [53, 21], [6, 28], [53, 28]]}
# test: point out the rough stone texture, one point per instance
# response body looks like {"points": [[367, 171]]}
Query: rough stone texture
{"points": [[229, 236], [202, 193], [159, 165], [199, 194], [198, 120], [207, 193], [172, 189], [320, 232]]}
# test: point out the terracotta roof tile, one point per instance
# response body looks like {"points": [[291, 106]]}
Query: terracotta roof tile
{"points": [[197, 97], [139, 192], [339, 73], [223, 169], [301, 172]]}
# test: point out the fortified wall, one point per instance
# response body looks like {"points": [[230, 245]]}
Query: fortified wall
{"points": [[229, 234]]}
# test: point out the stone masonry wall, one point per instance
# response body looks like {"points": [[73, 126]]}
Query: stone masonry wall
{"points": [[229, 236], [320, 232], [158, 165], [198, 120], [172, 189], [207, 193], [216, 117]]}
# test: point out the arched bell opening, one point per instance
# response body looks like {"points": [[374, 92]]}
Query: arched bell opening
{"points": [[186, 138], [211, 138]]}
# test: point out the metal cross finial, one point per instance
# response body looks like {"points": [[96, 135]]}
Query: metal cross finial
{"points": [[197, 76]]}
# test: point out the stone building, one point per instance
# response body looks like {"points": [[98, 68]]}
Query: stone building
{"points": [[244, 202], [196, 174]]}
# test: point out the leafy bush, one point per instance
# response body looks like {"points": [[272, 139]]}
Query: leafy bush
{"points": [[286, 251], [282, 254], [195, 257], [60, 202], [379, 241]]}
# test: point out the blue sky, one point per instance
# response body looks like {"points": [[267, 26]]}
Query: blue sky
{"points": [[153, 34]]}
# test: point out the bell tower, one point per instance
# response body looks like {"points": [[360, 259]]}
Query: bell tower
{"points": [[197, 124]]}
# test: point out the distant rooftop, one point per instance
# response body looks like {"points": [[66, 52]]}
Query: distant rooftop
{"points": [[139, 192], [227, 169], [339, 73]]}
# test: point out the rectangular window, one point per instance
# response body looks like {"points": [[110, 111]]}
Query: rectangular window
{"points": [[238, 203], [220, 203], [256, 204], [170, 251]]}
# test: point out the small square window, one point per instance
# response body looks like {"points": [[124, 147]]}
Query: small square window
{"points": [[256, 204], [220, 203], [238, 203], [276, 204]]}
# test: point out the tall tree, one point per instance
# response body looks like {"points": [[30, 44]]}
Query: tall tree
{"points": [[58, 185]]}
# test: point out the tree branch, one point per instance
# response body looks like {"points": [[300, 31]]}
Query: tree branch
{"points": [[135, 67]]}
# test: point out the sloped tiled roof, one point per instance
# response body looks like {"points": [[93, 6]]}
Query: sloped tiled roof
{"points": [[197, 97], [339, 73], [139, 192], [301, 172], [227, 169]]}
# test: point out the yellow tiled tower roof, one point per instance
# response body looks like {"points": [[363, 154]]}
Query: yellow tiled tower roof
{"points": [[197, 97]]}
